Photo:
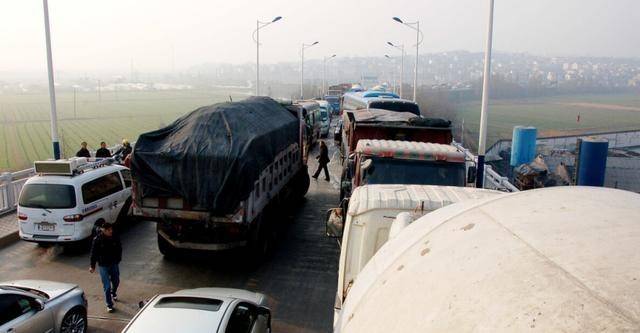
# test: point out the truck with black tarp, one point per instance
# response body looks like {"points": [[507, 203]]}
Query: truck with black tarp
{"points": [[211, 179]]}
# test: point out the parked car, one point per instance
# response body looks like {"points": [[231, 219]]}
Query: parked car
{"points": [[221, 310], [68, 198], [42, 306]]}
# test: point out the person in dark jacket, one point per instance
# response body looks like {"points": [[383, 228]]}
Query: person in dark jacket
{"points": [[125, 150], [103, 151], [106, 251], [83, 152], [323, 160]]}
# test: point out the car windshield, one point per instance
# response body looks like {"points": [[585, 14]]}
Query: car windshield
{"points": [[54, 196], [29, 290], [394, 171], [396, 106]]}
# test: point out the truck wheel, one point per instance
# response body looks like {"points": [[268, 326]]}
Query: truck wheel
{"points": [[302, 183], [166, 248]]}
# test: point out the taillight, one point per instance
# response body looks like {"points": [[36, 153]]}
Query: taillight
{"points": [[73, 218], [22, 217]]}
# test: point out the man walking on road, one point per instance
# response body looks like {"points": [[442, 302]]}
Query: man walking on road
{"points": [[323, 160], [106, 251], [83, 152], [103, 151]]}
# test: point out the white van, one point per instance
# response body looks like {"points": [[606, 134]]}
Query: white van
{"points": [[68, 198]]}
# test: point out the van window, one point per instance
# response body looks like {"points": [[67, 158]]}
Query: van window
{"points": [[54, 196], [101, 187], [126, 176]]}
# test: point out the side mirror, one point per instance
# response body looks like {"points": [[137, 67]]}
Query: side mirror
{"points": [[140, 304], [471, 174], [334, 223], [38, 304]]}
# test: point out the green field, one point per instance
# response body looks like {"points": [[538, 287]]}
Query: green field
{"points": [[552, 115], [25, 126], [25, 131]]}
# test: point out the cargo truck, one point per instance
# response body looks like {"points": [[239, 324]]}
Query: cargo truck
{"points": [[212, 178]]}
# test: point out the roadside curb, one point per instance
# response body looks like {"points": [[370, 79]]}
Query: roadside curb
{"points": [[9, 239]]}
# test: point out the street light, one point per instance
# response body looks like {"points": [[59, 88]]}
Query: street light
{"points": [[324, 74], [393, 72], [304, 46], [401, 48], [482, 142], [52, 88], [415, 26], [256, 38]]}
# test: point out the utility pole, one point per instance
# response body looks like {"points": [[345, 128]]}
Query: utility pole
{"points": [[415, 26], [324, 74], [304, 46], [256, 38], [52, 89], [482, 142]]}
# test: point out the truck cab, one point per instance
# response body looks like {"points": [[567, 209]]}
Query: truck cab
{"points": [[377, 213], [406, 162]]}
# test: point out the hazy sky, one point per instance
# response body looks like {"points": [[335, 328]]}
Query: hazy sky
{"points": [[91, 35]]}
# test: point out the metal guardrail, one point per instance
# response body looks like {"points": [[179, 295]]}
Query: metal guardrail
{"points": [[492, 179], [11, 185]]}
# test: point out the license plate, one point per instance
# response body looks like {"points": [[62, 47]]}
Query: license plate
{"points": [[44, 226]]}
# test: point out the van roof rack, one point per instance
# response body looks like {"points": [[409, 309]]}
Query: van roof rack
{"points": [[70, 167]]}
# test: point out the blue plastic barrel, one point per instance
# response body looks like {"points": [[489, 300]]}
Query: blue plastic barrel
{"points": [[523, 145], [592, 162]]}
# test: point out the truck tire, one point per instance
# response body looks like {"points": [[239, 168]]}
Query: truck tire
{"points": [[262, 240], [167, 250], [302, 183]]}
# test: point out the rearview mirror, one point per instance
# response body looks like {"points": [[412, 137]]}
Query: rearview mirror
{"points": [[471, 174], [140, 304], [334, 223]]}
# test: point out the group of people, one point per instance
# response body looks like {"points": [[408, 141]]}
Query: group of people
{"points": [[104, 152]]}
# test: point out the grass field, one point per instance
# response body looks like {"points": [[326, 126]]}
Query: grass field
{"points": [[25, 126], [25, 131], [553, 115]]}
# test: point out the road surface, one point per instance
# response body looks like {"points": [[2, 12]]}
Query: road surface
{"points": [[299, 278]]}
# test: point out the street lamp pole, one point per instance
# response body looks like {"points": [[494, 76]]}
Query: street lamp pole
{"points": [[304, 46], [401, 48], [324, 74], [415, 26], [52, 89], [256, 38], [482, 142], [393, 73]]}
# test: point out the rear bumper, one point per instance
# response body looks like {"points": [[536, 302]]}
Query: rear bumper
{"points": [[49, 238], [202, 246]]}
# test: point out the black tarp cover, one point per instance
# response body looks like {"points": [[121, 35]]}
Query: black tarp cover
{"points": [[212, 156]]}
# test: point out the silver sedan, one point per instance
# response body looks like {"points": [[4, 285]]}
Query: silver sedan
{"points": [[42, 306], [220, 310]]}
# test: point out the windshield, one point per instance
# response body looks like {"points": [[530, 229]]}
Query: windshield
{"points": [[396, 106], [47, 196], [394, 171]]}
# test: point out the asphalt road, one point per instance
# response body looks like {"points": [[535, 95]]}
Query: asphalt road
{"points": [[299, 278]]}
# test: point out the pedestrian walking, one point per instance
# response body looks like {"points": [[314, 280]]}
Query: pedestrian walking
{"points": [[323, 160], [106, 251], [103, 152], [83, 152]]}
